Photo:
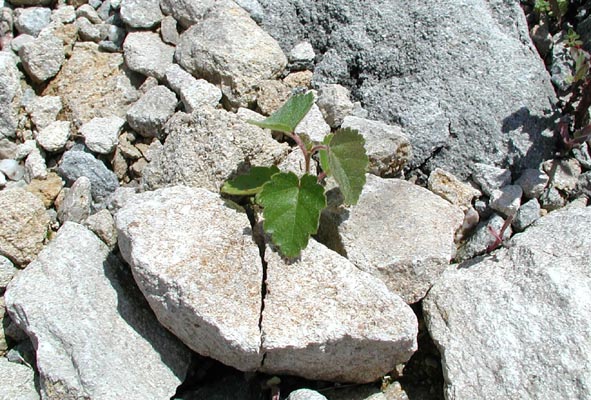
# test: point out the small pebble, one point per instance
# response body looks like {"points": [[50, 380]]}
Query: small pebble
{"points": [[12, 169]]}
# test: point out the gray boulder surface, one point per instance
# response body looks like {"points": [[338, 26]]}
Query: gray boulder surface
{"points": [[204, 280], [17, 382], [147, 54], [42, 57], [10, 93], [464, 78], [148, 115], [94, 335], [506, 322], [141, 13]]}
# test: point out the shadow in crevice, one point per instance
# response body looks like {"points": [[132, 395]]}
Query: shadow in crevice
{"points": [[330, 220]]}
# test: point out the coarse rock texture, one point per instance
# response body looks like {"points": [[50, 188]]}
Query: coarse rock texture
{"points": [[147, 54], [101, 134], [76, 203], [7, 272], [416, 75], [405, 242], [17, 381], [141, 13], [93, 84], [46, 189], [148, 115], [205, 148], [94, 335], [229, 49], [203, 281], [42, 57], [505, 322], [44, 110], [31, 20], [387, 146], [452, 189], [54, 136], [305, 394], [323, 318], [187, 13], [24, 225], [10, 93], [478, 243]]}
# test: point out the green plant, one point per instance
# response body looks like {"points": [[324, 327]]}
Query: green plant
{"points": [[555, 8], [291, 204]]}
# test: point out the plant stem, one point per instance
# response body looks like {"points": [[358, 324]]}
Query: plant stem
{"points": [[302, 146]]}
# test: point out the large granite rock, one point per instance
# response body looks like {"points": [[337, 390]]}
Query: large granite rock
{"points": [[392, 235], [18, 381], [515, 325], [463, 78], [203, 280], [94, 335]]}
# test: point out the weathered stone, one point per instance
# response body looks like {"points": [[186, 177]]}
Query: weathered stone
{"points": [[187, 13], [528, 213], [88, 31], [335, 104], [24, 225], [205, 148], [301, 56], [506, 200], [7, 272], [46, 189], [43, 57], [35, 167], [551, 199], [25, 148], [141, 13], [202, 281], [31, 20], [54, 136], [93, 84], [313, 125], [176, 77], [490, 178], [229, 49], [300, 79], [12, 169], [200, 94], [101, 134], [7, 149], [10, 93], [271, 94], [503, 323], [76, 203], [532, 182], [305, 394], [483, 238], [387, 146], [323, 318], [149, 114], [168, 31], [87, 11], [405, 242], [452, 189], [18, 381], [44, 110], [563, 174], [583, 156], [76, 301], [75, 164], [147, 54], [103, 225]]}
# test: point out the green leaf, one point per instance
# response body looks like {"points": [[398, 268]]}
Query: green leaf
{"points": [[291, 210], [347, 162], [289, 115], [251, 182], [323, 155]]}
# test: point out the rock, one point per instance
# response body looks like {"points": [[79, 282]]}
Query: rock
{"points": [[229, 49], [323, 318], [24, 225], [18, 381], [541, 38], [25, 148], [7, 272], [334, 103], [63, 14], [552, 199], [187, 13], [305, 394], [391, 235], [44, 110], [506, 200], [387, 146], [271, 95], [200, 94], [562, 64], [12, 169], [583, 156], [75, 164], [89, 32], [176, 78], [482, 238], [168, 30], [532, 182], [43, 57], [148, 115], [490, 178], [46, 189], [77, 202], [313, 125], [563, 174], [205, 148], [300, 79], [10, 93], [103, 225], [147, 54], [31, 20], [405, 78], [584, 184], [450, 188], [101, 134], [54, 136], [93, 84], [141, 13], [19, 41], [98, 307], [35, 167], [202, 281], [503, 323], [7, 149], [301, 57], [87, 11], [527, 214]]}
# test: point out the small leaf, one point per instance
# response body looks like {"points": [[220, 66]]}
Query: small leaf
{"points": [[291, 210], [289, 115], [347, 162], [251, 182]]}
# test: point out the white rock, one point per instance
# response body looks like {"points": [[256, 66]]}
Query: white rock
{"points": [[88, 12], [141, 13], [43, 57], [199, 94], [450, 188], [101, 135], [76, 204], [54, 136], [203, 281], [35, 167], [19, 41], [532, 182], [94, 335], [10, 93], [12, 169], [2, 180], [168, 30], [148, 115], [31, 20], [506, 200], [176, 77], [305, 394], [313, 125], [44, 110], [302, 52], [335, 104], [563, 174], [18, 381], [103, 225], [490, 178], [187, 13], [7, 272], [147, 54]]}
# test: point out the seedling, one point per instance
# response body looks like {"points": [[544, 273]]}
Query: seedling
{"points": [[291, 204]]}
